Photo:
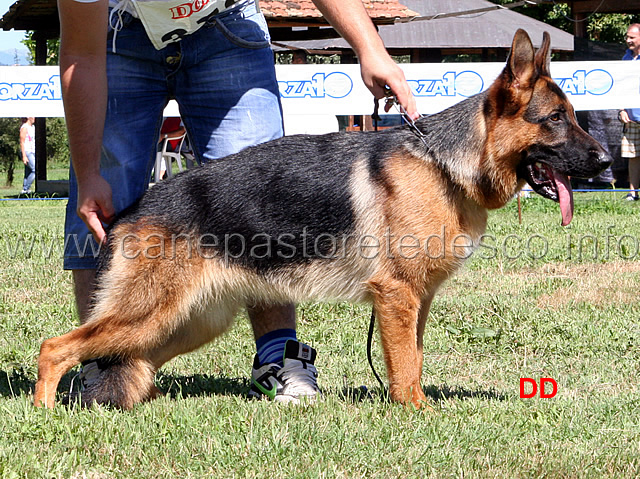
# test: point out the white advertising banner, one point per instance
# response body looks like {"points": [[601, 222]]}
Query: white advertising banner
{"points": [[30, 91], [338, 89]]}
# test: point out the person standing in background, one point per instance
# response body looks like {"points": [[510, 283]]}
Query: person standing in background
{"points": [[28, 151], [630, 146]]}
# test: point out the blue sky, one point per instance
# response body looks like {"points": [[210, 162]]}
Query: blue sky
{"points": [[11, 39]]}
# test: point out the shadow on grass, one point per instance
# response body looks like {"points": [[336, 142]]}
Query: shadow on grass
{"points": [[201, 385], [19, 382], [436, 393], [16, 383], [446, 392], [34, 196]]}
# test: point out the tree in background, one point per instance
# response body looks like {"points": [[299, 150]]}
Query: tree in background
{"points": [[601, 27], [57, 142], [9, 146], [53, 49]]}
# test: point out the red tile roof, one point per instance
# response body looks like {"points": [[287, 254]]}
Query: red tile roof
{"points": [[304, 11], [43, 14]]}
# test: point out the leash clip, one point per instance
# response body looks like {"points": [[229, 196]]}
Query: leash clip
{"points": [[392, 100], [389, 100]]}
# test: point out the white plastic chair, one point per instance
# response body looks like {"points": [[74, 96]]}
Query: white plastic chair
{"points": [[168, 157]]}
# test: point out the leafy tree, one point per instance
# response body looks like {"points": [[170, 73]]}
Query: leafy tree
{"points": [[9, 146], [57, 142], [602, 27], [53, 49], [610, 28]]}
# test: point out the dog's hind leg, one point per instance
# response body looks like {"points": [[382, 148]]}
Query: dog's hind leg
{"points": [[140, 302], [397, 306], [126, 382], [130, 380], [117, 335], [202, 327]]}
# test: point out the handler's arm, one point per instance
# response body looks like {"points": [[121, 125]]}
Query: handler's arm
{"points": [[378, 69], [83, 43]]}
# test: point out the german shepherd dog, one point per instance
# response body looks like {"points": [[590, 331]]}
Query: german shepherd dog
{"points": [[344, 216]]}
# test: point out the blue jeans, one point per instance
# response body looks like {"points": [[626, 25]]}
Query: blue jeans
{"points": [[29, 171], [223, 79]]}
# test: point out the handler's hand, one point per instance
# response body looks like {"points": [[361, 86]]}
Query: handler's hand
{"points": [[95, 205], [381, 72]]}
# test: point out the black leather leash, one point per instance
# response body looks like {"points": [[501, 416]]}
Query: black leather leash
{"points": [[390, 99], [372, 322]]}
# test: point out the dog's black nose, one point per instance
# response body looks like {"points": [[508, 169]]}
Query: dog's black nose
{"points": [[602, 158]]}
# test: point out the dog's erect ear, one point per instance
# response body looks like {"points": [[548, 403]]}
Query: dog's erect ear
{"points": [[520, 64], [514, 86], [543, 56]]}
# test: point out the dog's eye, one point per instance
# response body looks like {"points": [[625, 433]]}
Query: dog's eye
{"points": [[555, 117]]}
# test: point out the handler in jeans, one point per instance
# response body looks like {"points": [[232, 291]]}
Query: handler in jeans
{"points": [[121, 62]]}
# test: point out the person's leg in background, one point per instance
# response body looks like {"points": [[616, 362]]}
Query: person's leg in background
{"points": [[634, 176], [630, 149], [229, 101], [29, 172]]}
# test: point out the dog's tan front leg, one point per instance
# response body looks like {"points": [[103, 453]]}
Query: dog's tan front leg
{"points": [[397, 306]]}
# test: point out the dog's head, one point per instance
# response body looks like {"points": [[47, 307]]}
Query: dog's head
{"points": [[550, 145]]}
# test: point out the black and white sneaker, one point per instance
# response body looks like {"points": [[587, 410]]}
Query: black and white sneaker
{"points": [[88, 377], [289, 383]]}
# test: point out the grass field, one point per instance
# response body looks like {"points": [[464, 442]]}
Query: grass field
{"points": [[536, 300], [54, 172]]}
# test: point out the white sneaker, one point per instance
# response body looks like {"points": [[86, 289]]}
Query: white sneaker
{"points": [[289, 383], [89, 374]]}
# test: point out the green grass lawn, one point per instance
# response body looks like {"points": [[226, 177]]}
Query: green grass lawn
{"points": [[537, 300]]}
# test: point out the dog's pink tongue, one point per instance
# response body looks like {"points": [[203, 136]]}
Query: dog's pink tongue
{"points": [[565, 196]]}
